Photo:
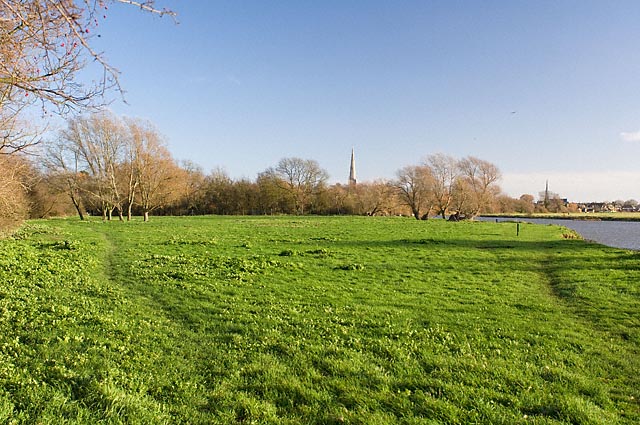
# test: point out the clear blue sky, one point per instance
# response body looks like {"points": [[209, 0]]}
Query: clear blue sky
{"points": [[543, 89]]}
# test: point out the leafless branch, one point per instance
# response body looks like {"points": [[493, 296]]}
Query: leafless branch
{"points": [[44, 45]]}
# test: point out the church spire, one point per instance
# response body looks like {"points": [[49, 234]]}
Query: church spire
{"points": [[352, 169], [546, 194]]}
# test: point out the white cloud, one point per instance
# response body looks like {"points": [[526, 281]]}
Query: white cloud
{"points": [[630, 137]]}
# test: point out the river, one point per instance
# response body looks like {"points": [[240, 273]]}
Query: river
{"points": [[618, 234]]}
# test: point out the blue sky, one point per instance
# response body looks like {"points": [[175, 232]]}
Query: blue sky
{"points": [[544, 89]]}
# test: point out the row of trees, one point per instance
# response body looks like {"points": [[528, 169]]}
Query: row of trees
{"points": [[110, 166], [444, 184], [107, 164], [101, 164]]}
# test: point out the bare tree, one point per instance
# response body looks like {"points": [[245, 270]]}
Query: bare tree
{"points": [[13, 187], [444, 169], [414, 184], [62, 162], [15, 134], [525, 204], [218, 186], [477, 185], [244, 197], [44, 45], [271, 197], [138, 134], [373, 198], [48, 196], [192, 201], [98, 141], [335, 199], [115, 164], [160, 180], [300, 179]]}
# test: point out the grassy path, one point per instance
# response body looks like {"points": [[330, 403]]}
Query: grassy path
{"points": [[316, 320]]}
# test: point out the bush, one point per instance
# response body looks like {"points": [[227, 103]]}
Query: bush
{"points": [[13, 202]]}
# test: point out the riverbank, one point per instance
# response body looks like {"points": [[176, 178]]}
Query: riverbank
{"points": [[614, 233], [617, 216]]}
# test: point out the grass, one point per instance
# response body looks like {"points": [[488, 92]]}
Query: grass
{"points": [[292, 320]]}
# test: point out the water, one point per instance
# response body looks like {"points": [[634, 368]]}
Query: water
{"points": [[618, 234]]}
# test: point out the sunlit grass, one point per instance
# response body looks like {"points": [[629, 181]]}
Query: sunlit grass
{"points": [[316, 320]]}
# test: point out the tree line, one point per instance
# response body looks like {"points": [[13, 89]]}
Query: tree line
{"points": [[117, 167]]}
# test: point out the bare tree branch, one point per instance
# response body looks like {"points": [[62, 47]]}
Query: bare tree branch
{"points": [[44, 45]]}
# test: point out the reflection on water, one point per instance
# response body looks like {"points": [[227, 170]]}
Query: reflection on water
{"points": [[619, 234]]}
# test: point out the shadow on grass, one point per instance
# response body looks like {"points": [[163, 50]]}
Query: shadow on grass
{"points": [[561, 245], [582, 275]]}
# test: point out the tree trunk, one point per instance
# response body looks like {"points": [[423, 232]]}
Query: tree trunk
{"points": [[76, 204], [146, 216]]}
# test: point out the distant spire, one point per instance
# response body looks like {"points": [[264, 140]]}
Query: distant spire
{"points": [[546, 194], [352, 169]]}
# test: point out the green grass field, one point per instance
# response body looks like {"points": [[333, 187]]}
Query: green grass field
{"points": [[309, 320]]}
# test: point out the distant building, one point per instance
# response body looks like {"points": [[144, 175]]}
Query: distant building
{"points": [[352, 169], [629, 208], [594, 207], [550, 200]]}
